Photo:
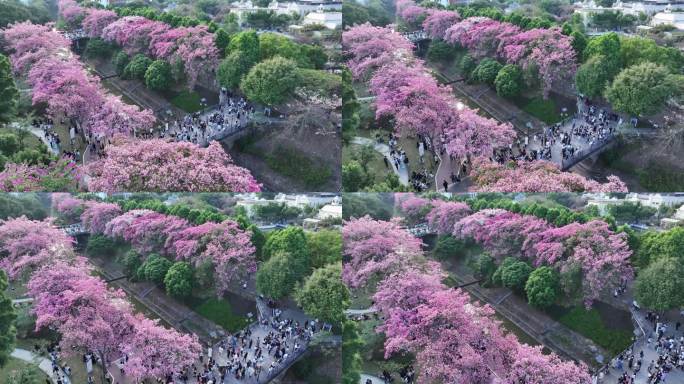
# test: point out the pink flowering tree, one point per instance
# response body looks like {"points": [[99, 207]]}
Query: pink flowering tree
{"points": [[438, 21], [71, 12], [500, 232], [149, 231], [225, 245], [532, 366], [373, 248], [28, 244], [469, 134], [197, 53], [445, 214], [116, 228], [116, 117], [68, 207], [590, 254], [65, 87], [60, 175], [96, 215], [133, 33], [96, 20], [160, 166], [535, 176], [29, 43], [411, 13], [413, 208], [372, 47], [155, 352]]}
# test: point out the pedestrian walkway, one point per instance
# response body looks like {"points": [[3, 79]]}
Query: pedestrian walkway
{"points": [[44, 364], [373, 379], [384, 150]]}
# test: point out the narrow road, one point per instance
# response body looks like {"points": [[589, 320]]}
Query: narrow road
{"points": [[384, 150], [44, 364]]}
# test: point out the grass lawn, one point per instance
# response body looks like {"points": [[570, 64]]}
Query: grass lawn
{"points": [[544, 110], [292, 164], [14, 365], [221, 313], [78, 371], [591, 325], [187, 101], [376, 166]]}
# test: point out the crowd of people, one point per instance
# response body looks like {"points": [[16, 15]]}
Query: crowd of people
{"points": [[231, 115], [420, 179], [668, 343], [46, 126]]}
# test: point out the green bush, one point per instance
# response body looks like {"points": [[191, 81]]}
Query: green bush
{"points": [[120, 62], [98, 48], [508, 81], [158, 75], [131, 262], [100, 245], [542, 287], [178, 279], [447, 247], [137, 67], [440, 51], [155, 268], [486, 71]]}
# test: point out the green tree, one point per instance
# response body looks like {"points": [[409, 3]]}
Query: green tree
{"points": [[100, 245], [515, 275], [178, 279], [8, 331], [354, 177], [120, 62], [324, 295], [362, 204], [325, 247], [233, 68], [9, 144], [258, 240], [467, 65], [137, 67], [271, 82], [660, 287], [98, 48], [221, 40], [291, 241], [350, 107], [642, 89], [508, 81], [8, 90], [448, 247], [352, 344], [593, 77], [542, 287], [608, 46], [246, 42], [579, 42], [440, 51], [275, 278], [158, 75], [485, 268], [131, 262], [637, 50], [486, 71], [29, 374], [155, 268]]}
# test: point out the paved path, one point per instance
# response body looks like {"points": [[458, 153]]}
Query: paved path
{"points": [[37, 132], [22, 301], [373, 379], [384, 150], [44, 364], [650, 354]]}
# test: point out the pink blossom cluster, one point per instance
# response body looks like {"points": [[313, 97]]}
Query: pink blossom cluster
{"points": [[193, 47], [96, 20], [67, 297], [438, 21], [372, 47], [59, 79], [62, 174], [71, 12], [97, 214], [160, 166], [535, 176], [117, 227], [413, 208], [502, 233], [410, 11], [148, 232], [453, 339], [445, 214], [68, 207], [601, 254], [373, 248], [27, 244]]}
